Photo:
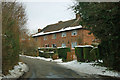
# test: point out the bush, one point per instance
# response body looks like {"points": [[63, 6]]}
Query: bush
{"points": [[41, 54], [86, 52], [55, 56], [62, 53], [46, 55], [79, 53]]}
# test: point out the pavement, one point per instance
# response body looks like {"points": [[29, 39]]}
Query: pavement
{"points": [[44, 69]]}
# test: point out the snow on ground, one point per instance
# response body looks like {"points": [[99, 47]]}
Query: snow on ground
{"points": [[81, 67], [45, 59], [0, 76], [89, 68], [17, 71]]}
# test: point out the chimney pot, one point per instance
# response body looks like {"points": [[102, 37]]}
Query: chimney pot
{"points": [[39, 30]]}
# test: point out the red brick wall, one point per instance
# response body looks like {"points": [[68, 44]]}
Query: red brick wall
{"points": [[81, 33], [87, 38]]}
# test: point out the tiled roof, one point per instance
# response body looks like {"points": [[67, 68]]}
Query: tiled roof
{"points": [[61, 30], [60, 25]]}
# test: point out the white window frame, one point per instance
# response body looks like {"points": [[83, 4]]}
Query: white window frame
{"points": [[45, 37], [73, 44], [63, 45], [63, 34], [74, 33], [54, 36]]}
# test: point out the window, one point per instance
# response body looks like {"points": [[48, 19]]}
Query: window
{"points": [[46, 45], [54, 36], [23, 39], [54, 45], [74, 33], [64, 34], [63, 45], [45, 37], [73, 44]]}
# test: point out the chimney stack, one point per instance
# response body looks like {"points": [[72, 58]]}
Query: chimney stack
{"points": [[77, 16], [59, 21], [39, 30]]}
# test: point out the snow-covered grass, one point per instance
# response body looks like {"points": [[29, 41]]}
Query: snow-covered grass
{"points": [[17, 71], [88, 68], [81, 67]]}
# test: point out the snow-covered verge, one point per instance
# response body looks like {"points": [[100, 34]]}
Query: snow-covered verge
{"points": [[89, 68], [45, 59], [17, 71]]}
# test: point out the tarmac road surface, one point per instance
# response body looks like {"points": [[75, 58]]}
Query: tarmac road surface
{"points": [[44, 69]]}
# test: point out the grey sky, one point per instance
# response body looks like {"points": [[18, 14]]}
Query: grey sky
{"points": [[41, 14]]}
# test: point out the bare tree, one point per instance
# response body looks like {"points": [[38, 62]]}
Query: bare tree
{"points": [[13, 19]]}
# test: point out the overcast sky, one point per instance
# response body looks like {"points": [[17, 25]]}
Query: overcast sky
{"points": [[41, 14]]}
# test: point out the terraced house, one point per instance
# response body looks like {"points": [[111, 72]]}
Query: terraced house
{"points": [[64, 34]]}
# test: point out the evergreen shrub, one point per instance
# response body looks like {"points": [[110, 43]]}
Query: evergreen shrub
{"points": [[62, 53]]}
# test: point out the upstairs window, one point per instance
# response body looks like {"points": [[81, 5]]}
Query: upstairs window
{"points": [[45, 37], [54, 36], [74, 33], [64, 34]]}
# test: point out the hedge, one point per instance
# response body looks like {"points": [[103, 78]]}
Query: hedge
{"points": [[62, 53], [86, 52], [79, 53], [46, 55], [46, 52], [48, 49]]}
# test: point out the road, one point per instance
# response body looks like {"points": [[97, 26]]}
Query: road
{"points": [[43, 69]]}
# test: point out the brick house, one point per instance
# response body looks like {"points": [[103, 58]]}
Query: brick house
{"points": [[64, 34]]}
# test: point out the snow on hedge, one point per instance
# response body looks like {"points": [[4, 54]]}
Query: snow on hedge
{"points": [[17, 71], [61, 30], [84, 46], [89, 68]]}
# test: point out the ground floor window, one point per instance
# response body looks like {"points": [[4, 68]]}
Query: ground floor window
{"points": [[54, 45], [63, 45], [73, 44], [46, 45]]}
